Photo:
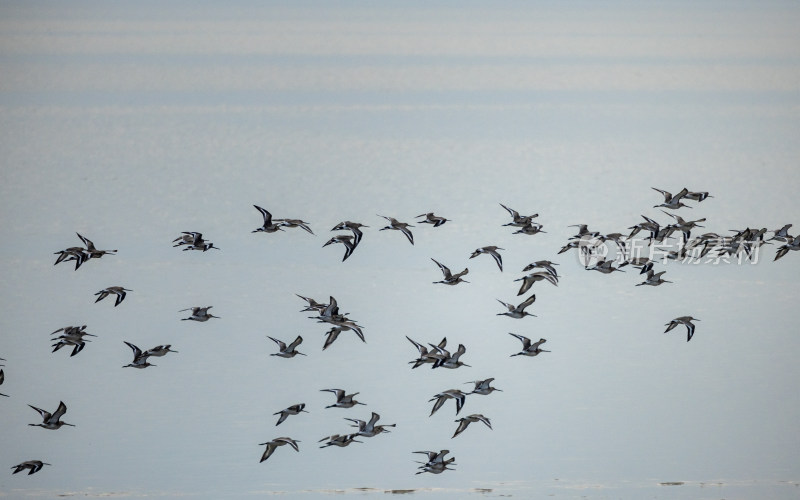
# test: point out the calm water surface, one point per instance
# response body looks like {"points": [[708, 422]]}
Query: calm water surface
{"points": [[131, 122]]}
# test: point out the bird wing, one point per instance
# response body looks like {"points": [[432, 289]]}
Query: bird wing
{"points": [[339, 392], [421, 348], [136, 351], [445, 270], [683, 192], [267, 216], [667, 194], [408, 234], [463, 423], [60, 411], [333, 334], [438, 404], [297, 342], [281, 344], [270, 449], [87, 242], [45, 414], [689, 331], [526, 342], [530, 300], [286, 440], [514, 214], [497, 258]]}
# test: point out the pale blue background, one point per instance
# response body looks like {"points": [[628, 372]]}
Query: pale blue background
{"points": [[130, 122]]}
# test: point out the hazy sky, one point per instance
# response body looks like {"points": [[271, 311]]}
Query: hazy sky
{"points": [[129, 122]]}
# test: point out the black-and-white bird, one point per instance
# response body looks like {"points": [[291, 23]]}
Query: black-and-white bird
{"points": [[426, 356], [436, 463], [683, 320], [2, 378], [269, 226], [93, 252], [490, 250], [340, 440], [793, 245], [518, 311], [672, 202], [457, 395], [430, 218], [159, 350], [529, 280], [346, 240], [287, 351], [483, 387], [342, 400], [52, 421], [653, 278], [275, 443], [119, 291], [450, 278], [370, 429], [529, 348], [139, 357], [294, 223], [399, 226], [464, 422], [32, 466], [292, 410], [354, 227], [199, 314], [518, 220]]}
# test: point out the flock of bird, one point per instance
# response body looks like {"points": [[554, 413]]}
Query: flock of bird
{"points": [[593, 252]]}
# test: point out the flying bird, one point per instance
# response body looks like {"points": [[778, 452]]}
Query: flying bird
{"points": [[443, 396], [450, 278], [294, 223], [517, 219], [426, 356], [268, 226], [93, 252], [430, 218], [518, 311], [653, 278], [52, 421], [199, 314], [683, 320], [339, 440], [346, 240], [287, 351], [483, 387], [399, 226], [354, 227], [672, 202], [292, 410], [490, 250], [370, 429], [275, 443], [465, 421], [119, 291], [528, 348], [342, 400], [139, 357], [33, 466], [2, 378], [529, 280], [159, 350]]}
